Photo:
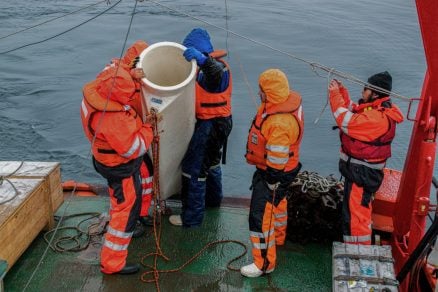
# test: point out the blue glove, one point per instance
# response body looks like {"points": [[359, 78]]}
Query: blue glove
{"points": [[192, 53]]}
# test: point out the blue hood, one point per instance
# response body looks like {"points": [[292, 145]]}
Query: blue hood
{"points": [[200, 40]]}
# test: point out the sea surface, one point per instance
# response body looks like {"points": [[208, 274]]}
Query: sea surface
{"points": [[41, 84]]}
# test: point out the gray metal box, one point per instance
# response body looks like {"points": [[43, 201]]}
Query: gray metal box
{"points": [[361, 268]]}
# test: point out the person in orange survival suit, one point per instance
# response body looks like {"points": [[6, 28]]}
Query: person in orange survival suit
{"points": [[366, 132], [273, 147], [129, 62], [201, 170], [119, 140]]}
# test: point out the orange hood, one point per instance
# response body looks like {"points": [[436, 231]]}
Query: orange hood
{"points": [[274, 84], [133, 52], [120, 85]]}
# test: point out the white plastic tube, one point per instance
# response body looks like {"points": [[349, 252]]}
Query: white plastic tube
{"points": [[169, 89], [166, 70]]}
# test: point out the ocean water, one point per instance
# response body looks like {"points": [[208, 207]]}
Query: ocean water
{"points": [[40, 85]]}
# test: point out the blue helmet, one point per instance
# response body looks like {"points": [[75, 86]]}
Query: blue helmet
{"points": [[199, 39]]}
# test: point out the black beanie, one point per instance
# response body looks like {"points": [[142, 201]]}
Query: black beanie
{"points": [[382, 80]]}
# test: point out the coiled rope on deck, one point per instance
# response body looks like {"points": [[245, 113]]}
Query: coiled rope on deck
{"points": [[314, 208], [312, 181], [81, 239]]}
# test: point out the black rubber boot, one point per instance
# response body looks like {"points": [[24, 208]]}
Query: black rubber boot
{"points": [[129, 269], [148, 221], [139, 230]]}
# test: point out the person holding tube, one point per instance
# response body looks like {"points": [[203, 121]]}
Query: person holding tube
{"points": [[201, 169]]}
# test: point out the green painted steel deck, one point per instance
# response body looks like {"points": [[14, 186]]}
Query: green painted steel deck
{"points": [[3, 269], [299, 267]]}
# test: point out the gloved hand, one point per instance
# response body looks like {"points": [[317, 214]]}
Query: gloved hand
{"points": [[273, 187], [192, 53], [134, 62], [137, 73]]}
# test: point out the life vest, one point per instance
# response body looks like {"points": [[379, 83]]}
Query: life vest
{"points": [[256, 144], [214, 104], [376, 151], [92, 103]]}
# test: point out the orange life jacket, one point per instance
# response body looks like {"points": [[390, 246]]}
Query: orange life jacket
{"points": [[92, 103], [256, 144], [214, 105]]}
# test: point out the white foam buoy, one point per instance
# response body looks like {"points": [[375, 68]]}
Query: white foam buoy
{"points": [[169, 89]]}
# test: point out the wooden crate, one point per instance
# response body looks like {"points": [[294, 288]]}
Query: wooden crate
{"points": [[24, 216], [49, 171]]}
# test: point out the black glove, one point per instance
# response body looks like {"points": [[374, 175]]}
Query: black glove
{"points": [[134, 62]]}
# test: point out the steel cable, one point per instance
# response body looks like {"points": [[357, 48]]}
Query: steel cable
{"points": [[313, 65], [63, 32], [52, 19]]}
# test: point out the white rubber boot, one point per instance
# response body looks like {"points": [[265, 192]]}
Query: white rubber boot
{"points": [[175, 220], [251, 271]]}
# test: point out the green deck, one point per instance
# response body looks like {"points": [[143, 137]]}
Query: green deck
{"points": [[299, 268]]}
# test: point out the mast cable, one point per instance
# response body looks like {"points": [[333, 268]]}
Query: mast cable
{"points": [[61, 33], [226, 27], [52, 19], [313, 65]]}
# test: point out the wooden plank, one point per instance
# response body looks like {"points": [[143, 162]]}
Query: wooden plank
{"points": [[50, 171], [22, 218]]}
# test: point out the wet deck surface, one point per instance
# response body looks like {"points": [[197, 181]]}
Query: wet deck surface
{"points": [[299, 268]]}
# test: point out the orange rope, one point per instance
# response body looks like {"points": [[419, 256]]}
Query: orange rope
{"points": [[156, 272], [157, 212]]}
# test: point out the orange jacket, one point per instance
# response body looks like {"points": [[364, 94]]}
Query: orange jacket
{"points": [[366, 122], [214, 105], [275, 135], [118, 131]]}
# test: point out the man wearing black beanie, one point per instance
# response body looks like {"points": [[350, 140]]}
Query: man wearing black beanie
{"points": [[382, 80], [366, 132]]}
